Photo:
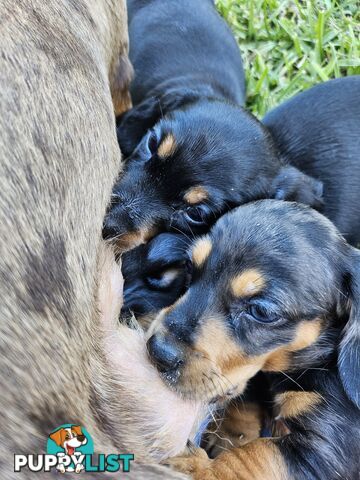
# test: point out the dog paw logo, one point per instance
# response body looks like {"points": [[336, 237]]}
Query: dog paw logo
{"points": [[70, 441]]}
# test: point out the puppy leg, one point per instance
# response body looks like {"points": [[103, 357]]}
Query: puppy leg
{"points": [[241, 424], [243, 420], [314, 449]]}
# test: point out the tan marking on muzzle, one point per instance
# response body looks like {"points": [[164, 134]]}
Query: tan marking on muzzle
{"points": [[248, 283], [157, 325], [216, 344], [225, 356], [196, 195], [201, 251], [133, 239], [167, 147], [277, 361], [293, 404]]}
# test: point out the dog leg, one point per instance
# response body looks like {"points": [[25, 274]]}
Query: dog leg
{"points": [[241, 424], [309, 451]]}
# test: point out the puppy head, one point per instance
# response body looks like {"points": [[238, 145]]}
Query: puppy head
{"points": [[270, 281], [194, 165], [156, 274], [70, 437]]}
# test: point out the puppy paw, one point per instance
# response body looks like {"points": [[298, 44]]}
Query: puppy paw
{"points": [[240, 425]]}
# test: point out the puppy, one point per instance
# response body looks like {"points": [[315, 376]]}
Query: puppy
{"points": [[275, 289], [206, 62], [156, 275], [64, 70], [194, 152], [318, 132]]}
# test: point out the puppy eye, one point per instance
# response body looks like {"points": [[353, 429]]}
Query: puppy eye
{"points": [[197, 215], [164, 279], [260, 314]]}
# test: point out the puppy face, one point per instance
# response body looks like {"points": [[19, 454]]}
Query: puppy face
{"points": [[156, 275], [193, 166], [268, 282], [69, 438]]}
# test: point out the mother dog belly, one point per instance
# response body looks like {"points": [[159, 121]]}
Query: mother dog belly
{"points": [[63, 65]]}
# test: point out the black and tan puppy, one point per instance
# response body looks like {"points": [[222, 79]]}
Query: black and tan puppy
{"points": [[275, 289], [156, 275], [194, 152], [180, 51], [318, 132]]}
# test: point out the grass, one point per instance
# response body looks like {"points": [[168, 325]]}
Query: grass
{"points": [[288, 46]]}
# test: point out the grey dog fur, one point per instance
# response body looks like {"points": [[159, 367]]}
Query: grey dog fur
{"points": [[63, 67]]}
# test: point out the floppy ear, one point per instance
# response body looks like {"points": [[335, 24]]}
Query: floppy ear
{"points": [[293, 185], [349, 350], [77, 429], [133, 125], [58, 437]]}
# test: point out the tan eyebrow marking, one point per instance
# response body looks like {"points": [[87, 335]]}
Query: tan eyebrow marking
{"points": [[248, 283], [196, 195], [201, 251], [167, 147]]}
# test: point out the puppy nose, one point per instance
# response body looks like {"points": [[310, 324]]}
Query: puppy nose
{"points": [[111, 228], [165, 355], [81, 438]]}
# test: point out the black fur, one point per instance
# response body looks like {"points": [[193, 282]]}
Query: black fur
{"points": [[155, 275], [325, 442], [318, 132], [189, 84], [181, 51]]}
